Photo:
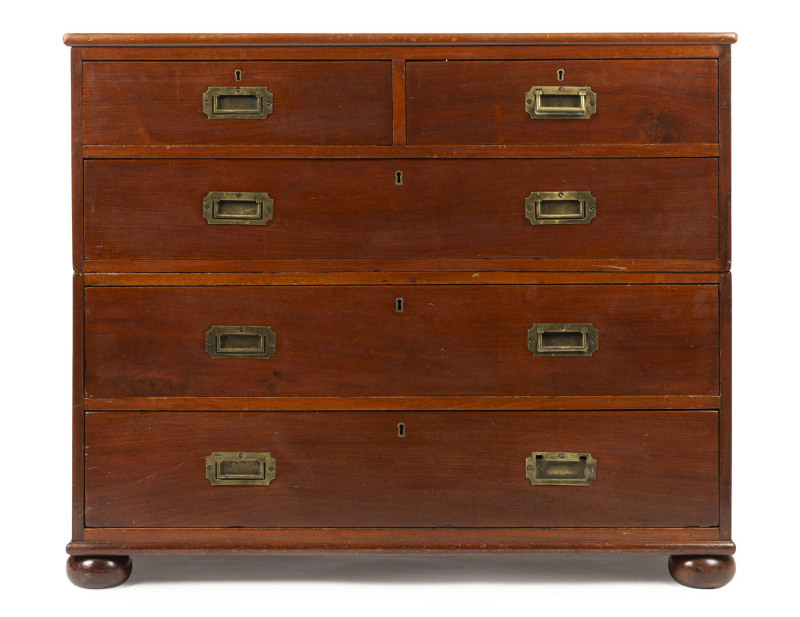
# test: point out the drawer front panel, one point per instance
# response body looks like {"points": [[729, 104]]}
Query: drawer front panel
{"points": [[323, 103], [646, 209], [441, 340], [638, 101], [352, 469]]}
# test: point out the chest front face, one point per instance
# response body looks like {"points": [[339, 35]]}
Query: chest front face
{"points": [[401, 293]]}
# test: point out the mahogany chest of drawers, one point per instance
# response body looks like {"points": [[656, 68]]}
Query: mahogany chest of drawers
{"points": [[401, 293]]}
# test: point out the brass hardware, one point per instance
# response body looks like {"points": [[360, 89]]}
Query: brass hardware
{"points": [[398, 178], [237, 75], [237, 208], [237, 102], [561, 468], [240, 468], [560, 208], [250, 342], [562, 339], [560, 74], [398, 305], [545, 102], [401, 430]]}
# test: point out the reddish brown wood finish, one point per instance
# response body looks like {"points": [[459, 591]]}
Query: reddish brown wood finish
{"points": [[76, 90], [325, 103], [638, 101], [697, 540], [485, 126], [725, 157], [78, 282], [205, 279], [534, 151], [340, 469], [98, 572], [124, 271], [646, 209], [441, 403], [702, 572], [399, 101], [341, 39], [726, 415], [370, 541], [450, 340], [401, 52]]}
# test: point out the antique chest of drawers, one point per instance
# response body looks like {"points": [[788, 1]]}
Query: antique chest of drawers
{"points": [[401, 293]]}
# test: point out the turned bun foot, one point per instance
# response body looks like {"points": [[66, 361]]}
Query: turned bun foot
{"points": [[98, 572], [709, 572]]}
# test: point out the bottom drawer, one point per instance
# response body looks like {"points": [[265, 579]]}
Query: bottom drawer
{"points": [[403, 469]]}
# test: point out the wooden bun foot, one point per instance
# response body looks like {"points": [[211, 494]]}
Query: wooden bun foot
{"points": [[709, 572], [98, 572]]}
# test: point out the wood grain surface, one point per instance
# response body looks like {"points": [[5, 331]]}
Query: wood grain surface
{"points": [[328, 103], [450, 340], [646, 209], [339, 39], [638, 101], [339, 469], [653, 404]]}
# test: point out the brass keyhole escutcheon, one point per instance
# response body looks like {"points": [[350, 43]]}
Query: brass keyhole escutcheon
{"points": [[238, 75], [398, 178], [401, 429], [399, 305], [560, 74]]}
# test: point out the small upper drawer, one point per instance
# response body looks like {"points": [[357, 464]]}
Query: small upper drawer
{"points": [[635, 102], [311, 103]]}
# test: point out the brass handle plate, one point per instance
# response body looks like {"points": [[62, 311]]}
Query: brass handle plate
{"points": [[561, 468], [237, 208], [237, 103], [560, 208], [249, 342], [562, 339], [240, 468], [560, 102]]}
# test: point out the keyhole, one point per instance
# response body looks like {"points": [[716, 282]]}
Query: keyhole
{"points": [[238, 75], [398, 305], [398, 178], [401, 430], [560, 74]]}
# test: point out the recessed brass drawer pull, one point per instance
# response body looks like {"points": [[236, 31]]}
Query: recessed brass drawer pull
{"points": [[237, 208], [560, 102], [240, 468], [237, 103], [560, 208], [248, 342], [561, 468], [562, 339]]}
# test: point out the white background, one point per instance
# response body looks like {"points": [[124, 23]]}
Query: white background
{"points": [[35, 334]]}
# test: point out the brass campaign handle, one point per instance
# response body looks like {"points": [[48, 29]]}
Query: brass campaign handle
{"points": [[560, 102], [237, 102], [561, 468], [242, 342], [560, 208], [221, 208], [240, 468], [562, 339]]}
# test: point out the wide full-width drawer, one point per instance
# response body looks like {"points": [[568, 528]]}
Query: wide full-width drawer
{"points": [[600, 102], [402, 340], [329, 209], [203, 103], [402, 469]]}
